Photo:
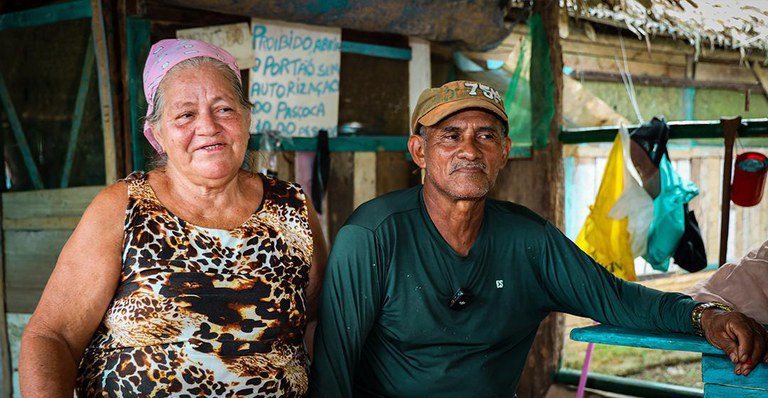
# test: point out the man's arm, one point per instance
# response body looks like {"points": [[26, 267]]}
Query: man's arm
{"points": [[579, 286], [350, 302]]}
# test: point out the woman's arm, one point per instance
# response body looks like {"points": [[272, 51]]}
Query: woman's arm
{"points": [[316, 273], [75, 299]]}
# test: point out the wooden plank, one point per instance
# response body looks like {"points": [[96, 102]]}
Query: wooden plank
{"points": [[419, 71], [77, 118], [18, 134], [375, 50], [29, 260], [710, 201], [706, 71], [614, 335], [658, 45], [6, 368], [37, 223], [105, 91], [393, 172], [668, 81], [45, 15], [718, 369], [137, 44], [633, 54], [721, 391], [364, 188], [340, 191], [70, 202], [592, 63]]}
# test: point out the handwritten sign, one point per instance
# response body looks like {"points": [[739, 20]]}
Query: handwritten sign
{"points": [[235, 38], [294, 83]]}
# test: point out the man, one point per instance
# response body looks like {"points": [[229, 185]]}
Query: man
{"points": [[438, 290]]}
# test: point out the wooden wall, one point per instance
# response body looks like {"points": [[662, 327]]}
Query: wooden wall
{"points": [[36, 224]]}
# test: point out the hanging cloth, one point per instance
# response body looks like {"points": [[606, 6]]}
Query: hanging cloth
{"points": [[668, 215]]}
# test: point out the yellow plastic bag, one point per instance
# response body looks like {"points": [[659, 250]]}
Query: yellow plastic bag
{"points": [[605, 239]]}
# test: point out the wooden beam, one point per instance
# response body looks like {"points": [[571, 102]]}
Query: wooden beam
{"points": [[375, 50], [137, 44], [668, 81], [636, 54], [6, 368], [77, 117], [715, 72], [18, 134], [45, 15], [419, 71], [761, 76], [598, 64], [364, 186], [677, 130], [105, 90]]}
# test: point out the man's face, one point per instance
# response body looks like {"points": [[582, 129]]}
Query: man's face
{"points": [[462, 154]]}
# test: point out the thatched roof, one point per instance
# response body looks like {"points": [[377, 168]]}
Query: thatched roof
{"points": [[731, 24]]}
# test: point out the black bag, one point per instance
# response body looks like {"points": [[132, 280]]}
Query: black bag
{"points": [[690, 254]]}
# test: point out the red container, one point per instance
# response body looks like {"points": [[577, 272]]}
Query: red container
{"points": [[749, 178]]}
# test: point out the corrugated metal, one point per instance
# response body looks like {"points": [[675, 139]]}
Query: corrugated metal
{"points": [[475, 25]]}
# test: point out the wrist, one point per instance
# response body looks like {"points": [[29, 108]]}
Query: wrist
{"points": [[700, 309]]}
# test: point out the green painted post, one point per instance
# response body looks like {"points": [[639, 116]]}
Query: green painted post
{"points": [[18, 133], [137, 37], [77, 116]]}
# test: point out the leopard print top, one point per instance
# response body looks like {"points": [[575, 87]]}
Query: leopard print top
{"points": [[205, 312]]}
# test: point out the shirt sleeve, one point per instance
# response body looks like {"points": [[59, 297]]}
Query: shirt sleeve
{"points": [[580, 286], [350, 301]]}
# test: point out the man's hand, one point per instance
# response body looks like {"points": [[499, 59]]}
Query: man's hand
{"points": [[741, 338]]}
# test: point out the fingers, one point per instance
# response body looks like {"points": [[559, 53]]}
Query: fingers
{"points": [[751, 339]]}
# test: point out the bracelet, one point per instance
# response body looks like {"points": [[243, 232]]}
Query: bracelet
{"points": [[698, 311]]}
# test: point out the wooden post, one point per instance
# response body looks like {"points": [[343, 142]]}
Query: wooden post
{"points": [[105, 90], [5, 348], [538, 184], [730, 128]]}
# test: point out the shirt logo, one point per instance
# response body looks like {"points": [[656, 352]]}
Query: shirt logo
{"points": [[499, 283]]}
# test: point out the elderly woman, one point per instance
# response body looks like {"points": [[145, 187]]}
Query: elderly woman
{"points": [[198, 278]]}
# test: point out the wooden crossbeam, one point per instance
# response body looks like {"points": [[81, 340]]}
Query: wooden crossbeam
{"points": [[18, 134], [77, 117]]}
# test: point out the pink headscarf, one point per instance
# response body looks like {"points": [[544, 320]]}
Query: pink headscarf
{"points": [[163, 56]]}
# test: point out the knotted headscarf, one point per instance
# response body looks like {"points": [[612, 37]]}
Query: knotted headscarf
{"points": [[163, 56]]}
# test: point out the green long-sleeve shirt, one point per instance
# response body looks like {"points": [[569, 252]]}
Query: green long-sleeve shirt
{"points": [[385, 328]]}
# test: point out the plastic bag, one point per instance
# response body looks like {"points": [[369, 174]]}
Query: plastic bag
{"points": [[669, 215], [606, 239], [635, 203]]}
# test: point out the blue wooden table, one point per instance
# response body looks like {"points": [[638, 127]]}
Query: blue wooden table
{"points": [[717, 369]]}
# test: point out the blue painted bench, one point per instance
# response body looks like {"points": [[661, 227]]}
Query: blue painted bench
{"points": [[717, 369]]}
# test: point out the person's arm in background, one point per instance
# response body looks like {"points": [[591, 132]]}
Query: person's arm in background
{"points": [[578, 285], [316, 274], [349, 305], [75, 299]]}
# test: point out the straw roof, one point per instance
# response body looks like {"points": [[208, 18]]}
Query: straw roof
{"points": [[740, 25]]}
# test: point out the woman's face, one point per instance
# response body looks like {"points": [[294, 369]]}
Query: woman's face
{"points": [[202, 128]]}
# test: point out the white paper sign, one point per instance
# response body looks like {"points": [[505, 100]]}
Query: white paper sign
{"points": [[235, 38], [294, 83]]}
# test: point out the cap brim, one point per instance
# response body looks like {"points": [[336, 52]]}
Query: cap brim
{"points": [[440, 112]]}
